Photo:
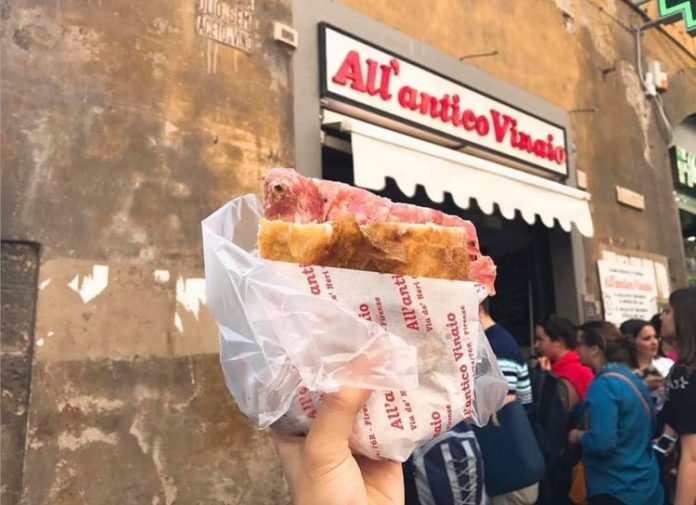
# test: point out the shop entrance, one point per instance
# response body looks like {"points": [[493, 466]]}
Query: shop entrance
{"points": [[524, 283], [683, 155], [688, 226]]}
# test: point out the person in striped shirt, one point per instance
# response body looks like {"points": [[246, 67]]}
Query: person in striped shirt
{"points": [[509, 356], [513, 365]]}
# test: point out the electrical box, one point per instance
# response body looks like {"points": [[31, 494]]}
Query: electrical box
{"points": [[655, 79], [285, 34]]}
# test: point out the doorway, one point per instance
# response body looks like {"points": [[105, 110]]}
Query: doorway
{"points": [[524, 284]]}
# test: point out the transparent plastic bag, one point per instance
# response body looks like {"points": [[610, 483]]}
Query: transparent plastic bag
{"points": [[415, 342]]}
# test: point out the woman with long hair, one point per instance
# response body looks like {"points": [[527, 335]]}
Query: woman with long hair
{"points": [[647, 346], [620, 466], [646, 359], [679, 324]]}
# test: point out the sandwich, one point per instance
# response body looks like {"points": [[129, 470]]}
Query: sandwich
{"points": [[327, 223]]}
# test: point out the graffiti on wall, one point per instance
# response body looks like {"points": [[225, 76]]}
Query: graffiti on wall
{"points": [[227, 22]]}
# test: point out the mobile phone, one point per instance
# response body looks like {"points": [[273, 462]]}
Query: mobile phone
{"points": [[651, 371], [663, 443]]}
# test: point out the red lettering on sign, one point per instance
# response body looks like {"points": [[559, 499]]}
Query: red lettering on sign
{"points": [[374, 78], [371, 76], [482, 126], [501, 125], [408, 98], [387, 70], [350, 71], [468, 120], [455, 117]]}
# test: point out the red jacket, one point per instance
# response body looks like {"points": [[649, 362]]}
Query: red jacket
{"points": [[569, 367]]}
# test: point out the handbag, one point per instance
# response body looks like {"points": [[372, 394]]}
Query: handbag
{"points": [[512, 459], [578, 483], [578, 486]]}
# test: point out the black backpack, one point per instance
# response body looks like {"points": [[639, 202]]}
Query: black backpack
{"points": [[549, 413], [551, 424]]}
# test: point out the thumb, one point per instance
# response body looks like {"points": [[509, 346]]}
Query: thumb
{"points": [[327, 442]]}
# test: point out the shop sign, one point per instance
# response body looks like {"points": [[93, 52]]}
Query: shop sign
{"points": [[673, 10], [629, 291], [684, 170], [356, 72]]}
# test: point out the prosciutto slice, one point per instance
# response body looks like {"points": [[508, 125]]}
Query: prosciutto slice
{"points": [[291, 197]]}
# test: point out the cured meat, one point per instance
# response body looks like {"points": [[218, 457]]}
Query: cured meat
{"points": [[292, 198]]}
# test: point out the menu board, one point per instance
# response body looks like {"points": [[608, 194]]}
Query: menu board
{"points": [[629, 291]]}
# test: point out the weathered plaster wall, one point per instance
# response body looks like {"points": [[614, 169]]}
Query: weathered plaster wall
{"points": [[122, 128], [579, 55]]}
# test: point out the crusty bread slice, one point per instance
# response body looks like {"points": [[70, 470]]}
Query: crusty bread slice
{"points": [[398, 248]]}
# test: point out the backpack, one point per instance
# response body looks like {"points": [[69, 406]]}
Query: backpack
{"points": [[447, 470], [549, 416]]}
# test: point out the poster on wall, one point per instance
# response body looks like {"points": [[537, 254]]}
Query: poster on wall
{"points": [[629, 291]]}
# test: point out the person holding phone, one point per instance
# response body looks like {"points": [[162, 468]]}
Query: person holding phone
{"points": [[679, 322], [646, 359]]}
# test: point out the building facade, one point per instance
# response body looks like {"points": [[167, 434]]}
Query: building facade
{"points": [[125, 124]]}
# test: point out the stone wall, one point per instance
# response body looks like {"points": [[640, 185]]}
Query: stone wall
{"points": [[125, 123]]}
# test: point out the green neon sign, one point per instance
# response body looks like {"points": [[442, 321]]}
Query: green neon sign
{"points": [[684, 170], [672, 10]]}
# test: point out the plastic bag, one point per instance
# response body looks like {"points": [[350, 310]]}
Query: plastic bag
{"points": [[289, 333]]}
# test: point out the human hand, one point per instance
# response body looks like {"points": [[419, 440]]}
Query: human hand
{"points": [[320, 469], [544, 363], [574, 436], [654, 381]]}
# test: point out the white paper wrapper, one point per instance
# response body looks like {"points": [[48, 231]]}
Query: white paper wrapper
{"points": [[289, 333]]}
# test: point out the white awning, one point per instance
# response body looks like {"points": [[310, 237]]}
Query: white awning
{"points": [[379, 153]]}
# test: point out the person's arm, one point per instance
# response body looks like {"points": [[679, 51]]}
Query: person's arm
{"points": [[603, 418], [524, 387], [686, 481], [510, 371]]}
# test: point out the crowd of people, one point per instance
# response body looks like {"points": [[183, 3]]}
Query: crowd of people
{"points": [[609, 418], [622, 429]]}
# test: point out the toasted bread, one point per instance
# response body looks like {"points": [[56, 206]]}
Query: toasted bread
{"points": [[398, 248]]}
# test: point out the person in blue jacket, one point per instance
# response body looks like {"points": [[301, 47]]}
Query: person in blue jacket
{"points": [[620, 465]]}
